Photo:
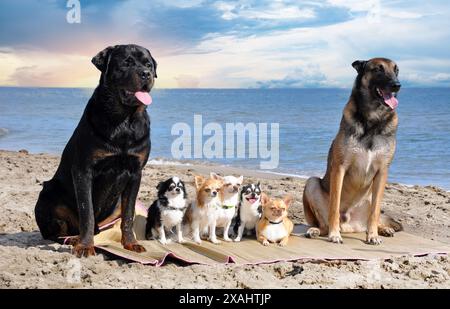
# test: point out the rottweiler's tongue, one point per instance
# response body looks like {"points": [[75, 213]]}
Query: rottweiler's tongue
{"points": [[144, 97], [390, 100]]}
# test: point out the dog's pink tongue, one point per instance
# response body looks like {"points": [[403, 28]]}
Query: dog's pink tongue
{"points": [[390, 100], [144, 97], [252, 200]]}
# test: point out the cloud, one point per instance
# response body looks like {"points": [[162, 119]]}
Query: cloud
{"points": [[49, 69], [271, 11], [304, 77], [245, 43], [425, 79], [6, 51]]}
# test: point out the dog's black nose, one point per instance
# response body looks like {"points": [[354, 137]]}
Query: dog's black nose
{"points": [[395, 85], [177, 189], [145, 75], [214, 193]]}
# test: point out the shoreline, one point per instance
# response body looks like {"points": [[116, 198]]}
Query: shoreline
{"points": [[164, 161], [28, 261]]}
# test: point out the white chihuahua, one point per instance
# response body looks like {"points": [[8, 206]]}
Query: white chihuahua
{"points": [[229, 196]]}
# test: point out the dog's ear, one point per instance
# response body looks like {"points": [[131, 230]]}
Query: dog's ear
{"points": [[199, 180], [101, 60], [264, 199], [159, 186], [359, 66], [155, 65], [241, 179], [215, 176], [288, 200]]}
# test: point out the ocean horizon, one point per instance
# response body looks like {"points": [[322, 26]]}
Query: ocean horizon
{"points": [[43, 119]]}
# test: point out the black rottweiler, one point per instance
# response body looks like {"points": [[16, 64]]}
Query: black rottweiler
{"points": [[101, 167]]}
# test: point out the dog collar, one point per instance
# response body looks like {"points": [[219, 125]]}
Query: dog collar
{"points": [[271, 222], [174, 208], [227, 206]]}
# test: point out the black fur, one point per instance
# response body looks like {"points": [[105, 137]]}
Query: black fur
{"points": [[161, 203], [372, 119], [363, 126], [101, 166], [253, 188]]}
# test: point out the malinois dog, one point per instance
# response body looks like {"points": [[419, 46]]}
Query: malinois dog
{"points": [[348, 198]]}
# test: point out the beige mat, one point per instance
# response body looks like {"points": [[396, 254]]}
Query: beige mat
{"points": [[249, 251]]}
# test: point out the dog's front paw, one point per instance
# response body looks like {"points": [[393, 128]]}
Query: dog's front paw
{"points": [[198, 241], [165, 241], [72, 241], [135, 247], [181, 241], [335, 238], [237, 239], [312, 232], [83, 251], [386, 231], [265, 242], [374, 240], [227, 239], [283, 243], [215, 241]]}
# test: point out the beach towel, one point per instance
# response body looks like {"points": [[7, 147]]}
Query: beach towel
{"points": [[249, 251]]}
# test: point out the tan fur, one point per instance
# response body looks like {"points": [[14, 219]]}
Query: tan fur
{"points": [[348, 198], [275, 211], [200, 214]]}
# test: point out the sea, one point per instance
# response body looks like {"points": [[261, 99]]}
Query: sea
{"points": [[42, 120]]}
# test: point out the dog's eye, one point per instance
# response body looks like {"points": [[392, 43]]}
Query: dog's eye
{"points": [[396, 70], [208, 190], [148, 64]]}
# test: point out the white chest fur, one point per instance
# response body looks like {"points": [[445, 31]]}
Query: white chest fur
{"points": [[206, 214], [225, 215], [249, 214], [171, 217], [369, 158], [274, 232]]}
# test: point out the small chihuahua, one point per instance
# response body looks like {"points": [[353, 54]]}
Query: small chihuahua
{"points": [[201, 215], [167, 211], [249, 211], [274, 225], [229, 196]]}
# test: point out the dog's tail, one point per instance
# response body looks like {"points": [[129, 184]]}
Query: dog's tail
{"points": [[388, 221]]}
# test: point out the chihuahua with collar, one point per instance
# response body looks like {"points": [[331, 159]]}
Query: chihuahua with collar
{"points": [[167, 211], [274, 225], [229, 196]]}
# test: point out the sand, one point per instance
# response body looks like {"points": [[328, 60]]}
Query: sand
{"points": [[28, 261]]}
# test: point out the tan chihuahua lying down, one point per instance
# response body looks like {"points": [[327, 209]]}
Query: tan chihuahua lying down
{"points": [[274, 225]]}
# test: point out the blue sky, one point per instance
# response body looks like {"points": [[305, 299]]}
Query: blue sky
{"points": [[227, 44]]}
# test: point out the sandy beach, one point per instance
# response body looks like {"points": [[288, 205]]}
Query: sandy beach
{"points": [[28, 261]]}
